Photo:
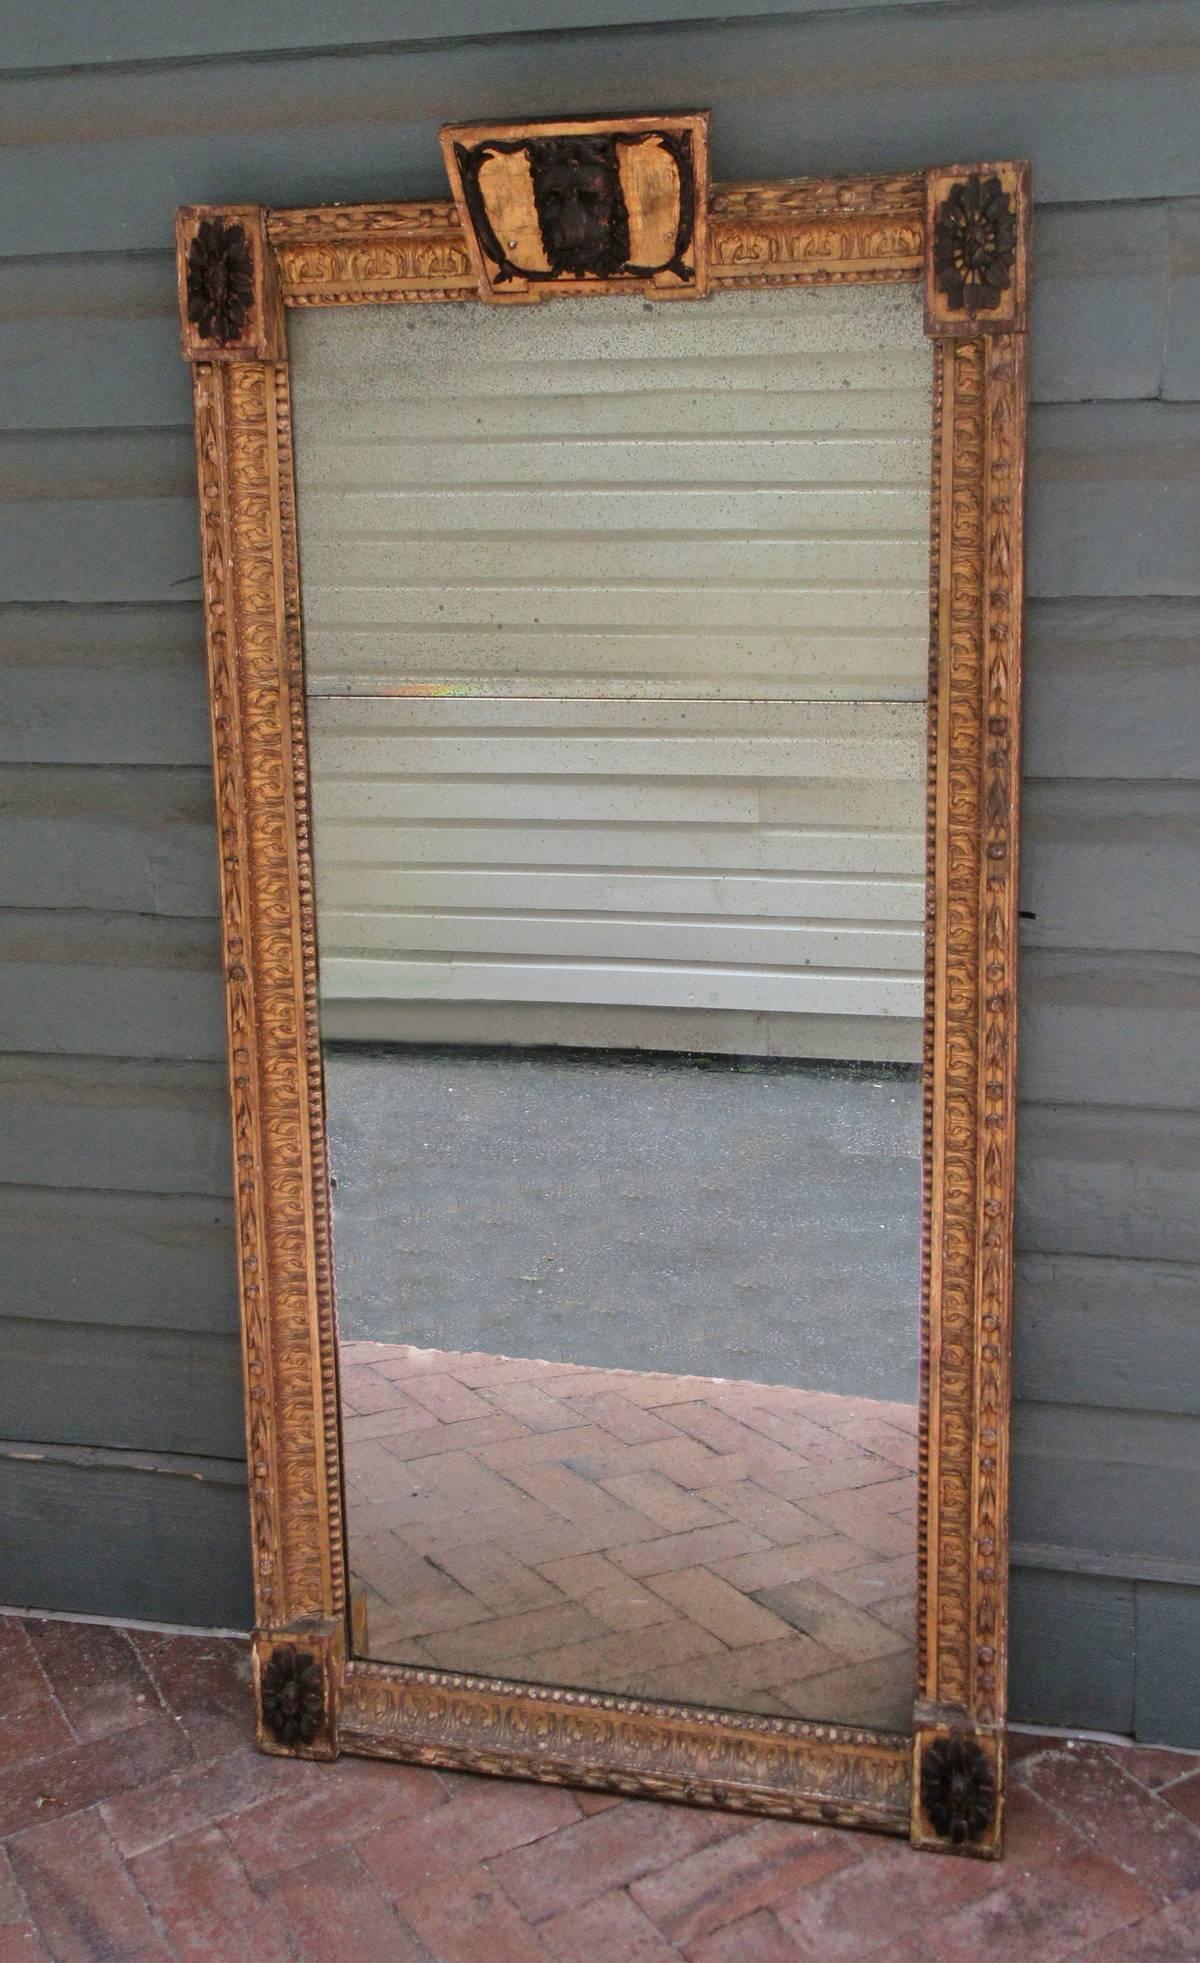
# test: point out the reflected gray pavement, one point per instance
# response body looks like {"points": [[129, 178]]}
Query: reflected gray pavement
{"points": [[743, 1219]]}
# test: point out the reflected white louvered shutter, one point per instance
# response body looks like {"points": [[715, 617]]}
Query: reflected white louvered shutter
{"points": [[616, 624]]}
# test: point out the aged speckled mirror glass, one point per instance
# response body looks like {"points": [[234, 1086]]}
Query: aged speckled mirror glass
{"points": [[615, 712]]}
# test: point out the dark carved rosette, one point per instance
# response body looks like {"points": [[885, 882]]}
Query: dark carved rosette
{"points": [[220, 280], [958, 1789], [975, 244], [293, 1696]]}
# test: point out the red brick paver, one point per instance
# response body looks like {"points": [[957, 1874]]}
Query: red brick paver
{"points": [[119, 1850], [564, 1524]]}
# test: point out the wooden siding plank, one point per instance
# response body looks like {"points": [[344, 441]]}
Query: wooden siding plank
{"points": [[1114, 500], [1108, 1182], [101, 489], [1112, 688], [142, 30], [1071, 1650], [1120, 1334], [1181, 358], [72, 1383], [135, 841], [100, 567], [91, 342], [103, 685], [124, 1126], [1105, 109], [110, 985], [1110, 1029], [1111, 865], [126, 1535], [1168, 1642], [1098, 302], [127, 1260], [1119, 1485], [87, 464]]}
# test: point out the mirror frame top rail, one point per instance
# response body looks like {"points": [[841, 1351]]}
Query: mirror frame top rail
{"points": [[963, 231]]}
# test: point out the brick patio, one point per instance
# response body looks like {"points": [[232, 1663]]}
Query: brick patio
{"points": [[138, 1822], [734, 1544]]}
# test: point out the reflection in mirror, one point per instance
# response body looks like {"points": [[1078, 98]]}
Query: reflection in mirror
{"points": [[615, 627]]}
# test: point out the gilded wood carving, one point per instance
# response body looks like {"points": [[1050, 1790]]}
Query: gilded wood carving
{"points": [[964, 231], [584, 205]]}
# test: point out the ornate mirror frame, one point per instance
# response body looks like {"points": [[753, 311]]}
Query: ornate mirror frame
{"points": [[963, 231]]}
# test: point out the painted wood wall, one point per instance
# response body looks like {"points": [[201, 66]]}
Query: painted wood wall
{"points": [[121, 1486]]}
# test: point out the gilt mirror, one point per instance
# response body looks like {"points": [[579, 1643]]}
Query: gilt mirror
{"points": [[615, 681]]}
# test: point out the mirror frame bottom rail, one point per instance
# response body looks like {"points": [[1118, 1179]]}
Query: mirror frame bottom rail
{"points": [[963, 231]]}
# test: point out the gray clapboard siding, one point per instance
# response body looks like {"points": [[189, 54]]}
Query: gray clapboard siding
{"points": [[56, 466], [1109, 1333], [1118, 1487], [1111, 119], [100, 566], [129, 1126], [1110, 1029], [1114, 502], [120, 840], [111, 985], [1112, 688], [119, 1260], [99, 489], [126, 1533], [1111, 865], [91, 343], [1110, 1182], [103, 685], [1168, 1643], [135, 1388], [1098, 303], [1181, 363], [1073, 1648], [146, 31]]}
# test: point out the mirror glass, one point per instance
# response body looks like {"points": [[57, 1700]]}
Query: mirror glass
{"points": [[616, 625]]}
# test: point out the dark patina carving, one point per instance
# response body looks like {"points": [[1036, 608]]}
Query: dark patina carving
{"points": [[293, 1696], [582, 214], [583, 219], [958, 1789], [975, 244], [220, 280]]}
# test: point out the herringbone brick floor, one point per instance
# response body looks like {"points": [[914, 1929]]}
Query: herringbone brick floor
{"points": [[734, 1544], [139, 1825]]}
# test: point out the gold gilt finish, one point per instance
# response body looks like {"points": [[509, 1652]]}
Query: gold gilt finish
{"points": [[796, 231]]}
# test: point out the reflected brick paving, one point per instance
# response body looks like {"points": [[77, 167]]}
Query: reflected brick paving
{"points": [[732, 1544], [138, 1824]]}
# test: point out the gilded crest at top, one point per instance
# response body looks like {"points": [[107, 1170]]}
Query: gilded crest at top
{"points": [[585, 206]]}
